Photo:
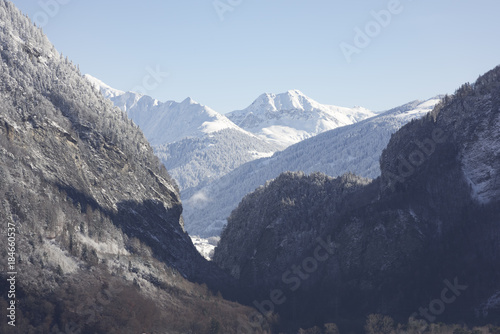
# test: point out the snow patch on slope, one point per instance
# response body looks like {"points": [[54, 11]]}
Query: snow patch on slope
{"points": [[58, 258], [205, 247], [491, 304], [481, 163]]}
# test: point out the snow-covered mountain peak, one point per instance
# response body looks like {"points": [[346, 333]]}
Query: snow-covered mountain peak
{"points": [[195, 143], [189, 101], [171, 121], [291, 100], [166, 122], [290, 117]]}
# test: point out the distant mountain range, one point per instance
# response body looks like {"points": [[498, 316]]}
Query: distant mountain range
{"points": [[195, 143], [217, 159], [199, 145], [354, 148], [166, 122]]}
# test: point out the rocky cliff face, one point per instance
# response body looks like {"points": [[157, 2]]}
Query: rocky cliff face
{"points": [[95, 214], [341, 249]]}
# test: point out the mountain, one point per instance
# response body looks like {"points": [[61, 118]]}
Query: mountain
{"points": [[195, 143], [355, 148], [209, 145], [420, 243], [96, 237], [196, 162], [166, 122], [288, 118]]}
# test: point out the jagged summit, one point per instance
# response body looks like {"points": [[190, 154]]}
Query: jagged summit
{"points": [[166, 122], [292, 99], [171, 121], [189, 100]]}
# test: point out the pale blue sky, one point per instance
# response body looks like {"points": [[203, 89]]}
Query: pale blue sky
{"points": [[428, 48]]}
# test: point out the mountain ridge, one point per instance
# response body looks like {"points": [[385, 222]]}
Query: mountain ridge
{"points": [[160, 120], [194, 142]]}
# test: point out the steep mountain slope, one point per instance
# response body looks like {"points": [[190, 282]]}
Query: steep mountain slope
{"points": [[96, 235], [354, 148], [421, 241], [196, 162], [195, 143], [288, 118]]}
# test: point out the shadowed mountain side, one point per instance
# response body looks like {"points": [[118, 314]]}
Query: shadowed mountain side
{"points": [[429, 223], [151, 223]]}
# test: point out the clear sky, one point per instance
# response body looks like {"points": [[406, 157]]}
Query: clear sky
{"points": [[227, 58]]}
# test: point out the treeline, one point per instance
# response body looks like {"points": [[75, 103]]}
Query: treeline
{"points": [[380, 324]]}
